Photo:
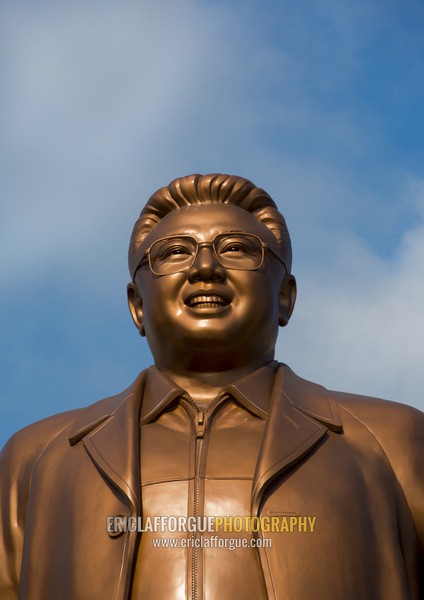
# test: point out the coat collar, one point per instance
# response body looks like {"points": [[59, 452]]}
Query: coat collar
{"points": [[300, 414], [311, 398], [109, 431]]}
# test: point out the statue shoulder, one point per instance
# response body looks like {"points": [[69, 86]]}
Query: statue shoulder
{"points": [[384, 418], [33, 440], [399, 430], [29, 443]]}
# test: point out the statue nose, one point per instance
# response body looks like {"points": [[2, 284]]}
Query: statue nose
{"points": [[206, 265]]}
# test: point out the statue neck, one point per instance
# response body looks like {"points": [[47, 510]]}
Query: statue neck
{"points": [[204, 387]]}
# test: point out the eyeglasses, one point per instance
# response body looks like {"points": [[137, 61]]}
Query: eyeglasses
{"points": [[173, 254]]}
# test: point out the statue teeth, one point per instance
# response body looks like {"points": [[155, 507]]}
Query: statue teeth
{"points": [[207, 300]]}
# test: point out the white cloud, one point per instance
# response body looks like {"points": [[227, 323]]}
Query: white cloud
{"points": [[359, 324], [105, 102], [102, 102]]}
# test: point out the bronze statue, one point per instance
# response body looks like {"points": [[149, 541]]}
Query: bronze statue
{"points": [[218, 473]]}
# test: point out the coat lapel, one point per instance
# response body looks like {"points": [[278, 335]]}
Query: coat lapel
{"points": [[109, 431], [301, 413]]}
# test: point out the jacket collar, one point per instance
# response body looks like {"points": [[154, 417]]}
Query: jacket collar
{"points": [[253, 391], [300, 414]]}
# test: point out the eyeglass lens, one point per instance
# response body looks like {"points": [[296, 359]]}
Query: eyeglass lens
{"points": [[234, 251]]}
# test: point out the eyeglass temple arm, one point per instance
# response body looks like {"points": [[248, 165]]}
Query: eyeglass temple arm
{"points": [[277, 257], [144, 259]]}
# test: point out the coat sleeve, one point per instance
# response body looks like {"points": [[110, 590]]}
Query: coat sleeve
{"points": [[401, 434], [404, 447], [15, 474], [17, 461], [399, 429]]}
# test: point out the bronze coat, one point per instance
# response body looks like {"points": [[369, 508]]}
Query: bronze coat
{"points": [[354, 463]]}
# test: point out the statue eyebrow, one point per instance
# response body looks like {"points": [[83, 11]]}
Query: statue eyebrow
{"points": [[184, 233]]}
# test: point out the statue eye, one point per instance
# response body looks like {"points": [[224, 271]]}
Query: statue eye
{"points": [[178, 250], [173, 251], [234, 247]]}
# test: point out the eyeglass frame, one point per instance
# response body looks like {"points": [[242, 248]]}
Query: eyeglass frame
{"points": [[264, 247]]}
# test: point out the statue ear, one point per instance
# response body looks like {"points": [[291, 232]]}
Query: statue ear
{"points": [[287, 299], [135, 304]]}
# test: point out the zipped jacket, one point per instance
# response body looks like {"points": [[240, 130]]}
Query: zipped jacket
{"points": [[353, 463]]}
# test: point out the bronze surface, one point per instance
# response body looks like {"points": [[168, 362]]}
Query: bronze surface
{"points": [[216, 428]]}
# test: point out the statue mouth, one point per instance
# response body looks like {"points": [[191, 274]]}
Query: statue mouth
{"points": [[207, 301]]}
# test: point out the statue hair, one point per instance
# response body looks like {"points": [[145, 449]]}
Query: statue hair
{"points": [[210, 189]]}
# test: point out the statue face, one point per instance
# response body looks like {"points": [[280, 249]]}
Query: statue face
{"points": [[211, 317]]}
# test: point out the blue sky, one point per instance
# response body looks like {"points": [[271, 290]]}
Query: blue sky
{"points": [[103, 102]]}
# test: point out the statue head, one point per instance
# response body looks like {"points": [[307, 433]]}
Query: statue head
{"points": [[210, 261], [206, 189]]}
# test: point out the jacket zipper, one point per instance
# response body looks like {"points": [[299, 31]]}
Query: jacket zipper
{"points": [[201, 419], [200, 426]]}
